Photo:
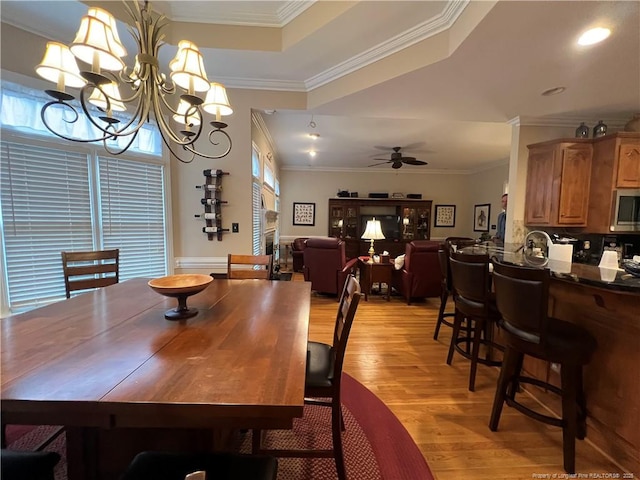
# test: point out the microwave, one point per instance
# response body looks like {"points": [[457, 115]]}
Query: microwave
{"points": [[626, 213]]}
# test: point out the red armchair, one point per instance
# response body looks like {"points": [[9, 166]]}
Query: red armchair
{"points": [[420, 276], [326, 265], [297, 249]]}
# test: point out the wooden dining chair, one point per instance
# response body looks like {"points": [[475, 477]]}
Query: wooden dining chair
{"points": [[26, 465], [94, 269], [249, 266], [323, 380]]}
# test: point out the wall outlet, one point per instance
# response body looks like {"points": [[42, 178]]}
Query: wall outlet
{"points": [[235, 227], [555, 367]]}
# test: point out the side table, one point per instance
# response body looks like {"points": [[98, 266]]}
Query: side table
{"points": [[371, 273]]}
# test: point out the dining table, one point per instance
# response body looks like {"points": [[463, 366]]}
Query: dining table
{"points": [[121, 378]]}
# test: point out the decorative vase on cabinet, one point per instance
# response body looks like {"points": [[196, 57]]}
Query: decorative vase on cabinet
{"points": [[582, 131], [633, 125], [600, 130]]}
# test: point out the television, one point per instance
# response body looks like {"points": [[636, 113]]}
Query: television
{"points": [[390, 225]]}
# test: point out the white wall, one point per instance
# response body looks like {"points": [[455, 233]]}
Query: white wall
{"points": [[462, 190]]}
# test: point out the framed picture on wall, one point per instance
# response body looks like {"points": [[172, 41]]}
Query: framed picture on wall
{"points": [[481, 217], [445, 216], [304, 214]]}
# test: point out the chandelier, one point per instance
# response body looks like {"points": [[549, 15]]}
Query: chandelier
{"points": [[148, 91]]}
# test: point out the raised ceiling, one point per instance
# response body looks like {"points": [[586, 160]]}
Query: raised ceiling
{"points": [[443, 77]]}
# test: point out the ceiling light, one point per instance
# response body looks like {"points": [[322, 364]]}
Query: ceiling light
{"points": [[149, 91], [594, 35], [553, 91], [312, 153]]}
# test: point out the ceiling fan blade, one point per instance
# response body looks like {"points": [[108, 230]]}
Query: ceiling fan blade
{"points": [[407, 159], [396, 165], [381, 163], [413, 161], [383, 160]]}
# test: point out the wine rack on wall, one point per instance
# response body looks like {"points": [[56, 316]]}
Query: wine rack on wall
{"points": [[212, 203]]}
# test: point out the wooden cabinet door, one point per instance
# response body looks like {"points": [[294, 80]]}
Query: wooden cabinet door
{"points": [[539, 195], [628, 166], [574, 186]]}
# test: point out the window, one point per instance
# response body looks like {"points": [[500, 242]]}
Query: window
{"points": [[59, 196], [256, 202]]}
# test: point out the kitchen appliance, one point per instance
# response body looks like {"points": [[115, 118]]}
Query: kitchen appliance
{"points": [[626, 213]]}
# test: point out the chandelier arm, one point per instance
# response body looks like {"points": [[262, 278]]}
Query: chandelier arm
{"points": [[211, 134], [52, 130], [166, 130], [133, 136]]}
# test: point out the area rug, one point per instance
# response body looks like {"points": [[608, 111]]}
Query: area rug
{"points": [[376, 444]]}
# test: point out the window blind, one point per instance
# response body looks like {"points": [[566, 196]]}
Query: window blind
{"points": [[46, 208], [132, 215]]}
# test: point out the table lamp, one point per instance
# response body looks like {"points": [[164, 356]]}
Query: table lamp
{"points": [[372, 232]]}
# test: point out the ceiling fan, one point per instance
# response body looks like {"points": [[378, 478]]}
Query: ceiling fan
{"points": [[397, 159]]}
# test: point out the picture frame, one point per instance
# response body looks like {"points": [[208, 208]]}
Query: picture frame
{"points": [[481, 217], [304, 214], [445, 216]]}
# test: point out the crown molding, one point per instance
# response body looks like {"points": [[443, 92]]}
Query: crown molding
{"points": [[309, 168], [420, 32], [262, 84], [566, 121]]}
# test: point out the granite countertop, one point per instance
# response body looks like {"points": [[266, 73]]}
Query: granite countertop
{"points": [[564, 271]]}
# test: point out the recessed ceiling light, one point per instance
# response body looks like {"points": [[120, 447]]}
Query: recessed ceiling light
{"points": [[312, 153], [594, 35], [553, 91], [314, 135]]}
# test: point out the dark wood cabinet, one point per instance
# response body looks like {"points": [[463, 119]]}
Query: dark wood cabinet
{"points": [[558, 179], [402, 220]]}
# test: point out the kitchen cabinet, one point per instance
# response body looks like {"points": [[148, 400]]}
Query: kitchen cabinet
{"points": [[402, 221], [628, 156], [616, 165], [558, 180]]}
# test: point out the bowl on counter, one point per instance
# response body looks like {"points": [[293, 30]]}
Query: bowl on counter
{"points": [[180, 286]]}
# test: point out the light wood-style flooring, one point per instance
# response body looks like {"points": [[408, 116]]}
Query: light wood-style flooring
{"points": [[391, 351]]}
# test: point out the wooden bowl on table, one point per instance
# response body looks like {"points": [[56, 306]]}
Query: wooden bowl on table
{"points": [[180, 286]]}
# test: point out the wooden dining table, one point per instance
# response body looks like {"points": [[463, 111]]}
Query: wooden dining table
{"points": [[121, 378]]}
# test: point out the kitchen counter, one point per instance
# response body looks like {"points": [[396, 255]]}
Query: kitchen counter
{"points": [[569, 272]]}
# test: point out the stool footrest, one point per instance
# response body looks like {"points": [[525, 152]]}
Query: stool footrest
{"points": [[486, 343], [533, 414]]}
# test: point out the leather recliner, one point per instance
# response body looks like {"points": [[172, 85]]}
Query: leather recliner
{"points": [[297, 248], [326, 265], [420, 276]]}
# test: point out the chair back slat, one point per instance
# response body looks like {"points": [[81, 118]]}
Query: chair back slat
{"points": [[90, 269], [249, 266], [348, 305], [522, 297]]}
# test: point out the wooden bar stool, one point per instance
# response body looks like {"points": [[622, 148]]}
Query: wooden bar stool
{"points": [[474, 301], [522, 297]]}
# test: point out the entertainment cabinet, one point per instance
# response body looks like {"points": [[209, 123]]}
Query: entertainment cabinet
{"points": [[402, 220]]}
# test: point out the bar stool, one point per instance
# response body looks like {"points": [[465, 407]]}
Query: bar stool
{"points": [[445, 282], [474, 301], [522, 297]]}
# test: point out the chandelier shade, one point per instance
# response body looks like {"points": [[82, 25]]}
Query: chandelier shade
{"points": [[187, 68], [97, 42], [110, 100], [150, 94], [217, 102], [59, 66]]}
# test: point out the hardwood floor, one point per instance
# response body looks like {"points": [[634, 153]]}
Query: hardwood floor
{"points": [[391, 351]]}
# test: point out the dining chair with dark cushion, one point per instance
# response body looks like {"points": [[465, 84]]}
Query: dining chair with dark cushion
{"points": [[25, 465], [475, 303], [249, 266], [420, 274], [323, 381], [217, 466], [297, 253], [326, 265], [522, 297], [445, 279], [90, 269]]}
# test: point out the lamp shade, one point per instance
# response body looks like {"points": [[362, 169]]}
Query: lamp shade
{"points": [[59, 66], [217, 102], [98, 99], [187, 68], [97, 42], [183, 108], [373, 230]]}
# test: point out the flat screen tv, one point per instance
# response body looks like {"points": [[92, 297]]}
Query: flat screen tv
{"points": [[390, 225]]}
